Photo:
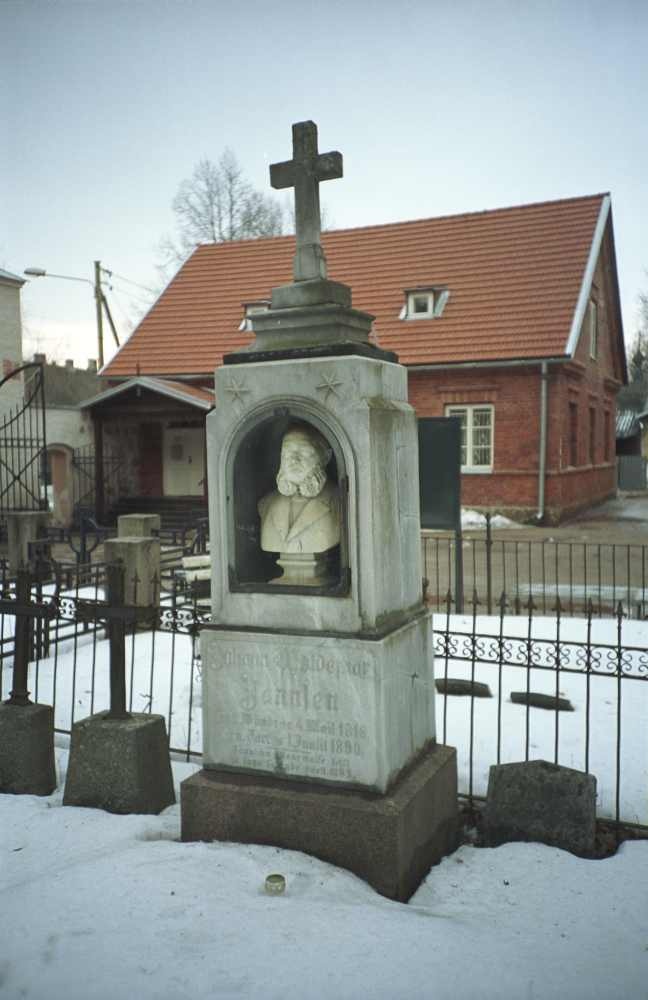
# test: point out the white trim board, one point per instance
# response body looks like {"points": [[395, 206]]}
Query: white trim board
{"points": [[588, 276]]}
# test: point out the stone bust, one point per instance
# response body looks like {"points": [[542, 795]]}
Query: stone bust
{"points": [[302, 515]]}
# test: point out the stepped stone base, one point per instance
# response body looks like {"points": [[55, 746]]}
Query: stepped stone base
{"points": [[120, 765], [389, 840], [27, 749]]}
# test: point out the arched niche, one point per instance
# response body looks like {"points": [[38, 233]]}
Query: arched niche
{"points": [[251, 474]]}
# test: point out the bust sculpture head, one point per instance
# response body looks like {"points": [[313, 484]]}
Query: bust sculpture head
{"points": [[301, 517], [304, 457]]}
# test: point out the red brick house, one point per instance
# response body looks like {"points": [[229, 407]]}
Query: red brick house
{"points": [[508, 319]]}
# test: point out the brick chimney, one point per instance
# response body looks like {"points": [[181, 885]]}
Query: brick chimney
{"points": [[92, 365]]}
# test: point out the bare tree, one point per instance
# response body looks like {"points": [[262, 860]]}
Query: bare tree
{"points": [[218, 204], [638, 366]]}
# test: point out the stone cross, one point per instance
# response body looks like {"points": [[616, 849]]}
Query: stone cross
{"points": [[304, 172]]}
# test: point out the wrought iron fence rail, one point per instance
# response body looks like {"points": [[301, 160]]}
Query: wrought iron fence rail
{"points": [[548, 570], [162, 674]]}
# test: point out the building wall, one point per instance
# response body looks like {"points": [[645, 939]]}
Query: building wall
{"points": [[66, 428], [10, 343], [586, 383], [69, 426]]}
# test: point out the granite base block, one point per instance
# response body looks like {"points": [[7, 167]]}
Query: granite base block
{"points": [[120, 765], [27, 749], [539, 801], [389, 840]]}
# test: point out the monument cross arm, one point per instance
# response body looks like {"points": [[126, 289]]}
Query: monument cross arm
{"points": [[327, 167], [304, 172]]}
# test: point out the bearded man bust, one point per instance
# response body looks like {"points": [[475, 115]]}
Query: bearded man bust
{"points": [[301, 518]]}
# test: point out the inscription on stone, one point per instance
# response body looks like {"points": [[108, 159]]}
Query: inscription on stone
{"points": [[293, 710]]}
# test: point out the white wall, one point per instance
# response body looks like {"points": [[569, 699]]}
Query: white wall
{"points": [[68, 425], [10, 342]]}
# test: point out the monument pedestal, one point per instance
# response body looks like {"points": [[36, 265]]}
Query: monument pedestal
{"points": [[352, 710], [120, 765], [27, 749], [389, 840]]}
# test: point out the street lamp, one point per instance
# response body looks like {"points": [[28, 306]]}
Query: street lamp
{"points": [[100, 299]]}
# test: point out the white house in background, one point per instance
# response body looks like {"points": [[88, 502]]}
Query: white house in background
{"points": [[69, 433], [10, 339]]}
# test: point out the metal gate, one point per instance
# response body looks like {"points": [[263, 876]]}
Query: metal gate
{"points": [[632, 472], [23, 454], [83, 480]]}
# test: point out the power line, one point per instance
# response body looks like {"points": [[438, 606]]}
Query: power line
{"points": [[132, 296], [113, 274]]}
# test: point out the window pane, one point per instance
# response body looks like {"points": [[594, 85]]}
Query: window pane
{"points": [[462, 414], [481, 436], [481, 418], [421, 303]]}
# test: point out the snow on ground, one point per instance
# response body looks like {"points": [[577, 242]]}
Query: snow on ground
{"points": [[103, 907], [471, 519]]}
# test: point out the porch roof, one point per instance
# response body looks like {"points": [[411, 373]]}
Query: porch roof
{"points": [[202, 399]]}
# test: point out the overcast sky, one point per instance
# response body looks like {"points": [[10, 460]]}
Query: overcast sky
{"points": [[438, 107]]}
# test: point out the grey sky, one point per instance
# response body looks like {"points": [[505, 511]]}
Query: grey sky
{"points": [[437, 107]]}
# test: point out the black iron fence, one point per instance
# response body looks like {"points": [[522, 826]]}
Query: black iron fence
{"points": [[509, 687], [83, 478], [582, 575], [85, 650], [571, 691], [23, 457]]}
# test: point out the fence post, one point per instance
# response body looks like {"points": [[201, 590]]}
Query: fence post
{"points": [[19, 695], [489, 564], [119, 760], [459, 582], [26, 728], [116, 628]]}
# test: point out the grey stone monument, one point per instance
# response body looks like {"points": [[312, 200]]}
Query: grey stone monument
{"points": [[318, 682]]}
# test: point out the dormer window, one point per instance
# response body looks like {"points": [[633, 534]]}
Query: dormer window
{"points": [[420, 305], [424, 303], [253, 309]]}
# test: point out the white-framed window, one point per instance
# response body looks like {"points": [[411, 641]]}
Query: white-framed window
{"points": [[420, 304], [592, 314], [477, 435], [424, 303]]}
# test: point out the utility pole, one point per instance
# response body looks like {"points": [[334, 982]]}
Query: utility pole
{"points": [[99, 302]]}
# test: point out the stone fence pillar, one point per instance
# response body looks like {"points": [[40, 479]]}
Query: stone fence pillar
{"points": [[138, 525], [141, 559], [23, 527]]}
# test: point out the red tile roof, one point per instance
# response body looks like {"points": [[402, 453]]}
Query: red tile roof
{"points": [[514, 276]]}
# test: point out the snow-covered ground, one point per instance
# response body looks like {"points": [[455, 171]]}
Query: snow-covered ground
{"points": [[103, 907], [471, 519], [99, 906]]}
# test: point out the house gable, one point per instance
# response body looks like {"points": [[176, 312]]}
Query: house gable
{"points": [[600, 290]]}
